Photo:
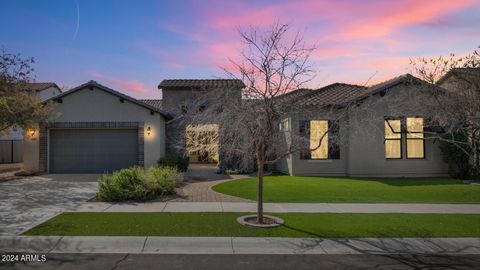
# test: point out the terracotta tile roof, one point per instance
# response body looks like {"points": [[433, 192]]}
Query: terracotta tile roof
{"points": [[156, 103], [292, 95], [333, 94], [207, 83]]}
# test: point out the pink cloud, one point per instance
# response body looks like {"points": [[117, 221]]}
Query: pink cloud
{"points": [[132, 85], [399, 14], [355, 38]]}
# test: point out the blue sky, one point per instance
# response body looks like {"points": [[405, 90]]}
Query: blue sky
{"points": [[132, 45]]}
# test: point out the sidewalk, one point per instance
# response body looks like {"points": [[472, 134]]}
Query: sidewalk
{"points": [[280, 207], [238, 245]]}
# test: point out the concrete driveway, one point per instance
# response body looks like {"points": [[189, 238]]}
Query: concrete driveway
{"points": [[27, 202]]}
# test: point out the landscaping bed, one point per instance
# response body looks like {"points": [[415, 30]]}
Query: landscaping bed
{"points": [[139, 184], [296, 225], [284, 188]]}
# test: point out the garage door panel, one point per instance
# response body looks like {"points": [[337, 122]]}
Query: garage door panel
{"points": [[92, 151]]}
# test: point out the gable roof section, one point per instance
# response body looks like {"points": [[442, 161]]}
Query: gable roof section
{"points": [[115, 93], [333, 94], [383, 86], [202, 84], [39, 86], [460, 72]]}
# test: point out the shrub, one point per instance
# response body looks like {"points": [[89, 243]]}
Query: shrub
{"points": [[181, 163], [459, 165], [138, 184]]}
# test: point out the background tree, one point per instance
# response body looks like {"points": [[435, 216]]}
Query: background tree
{"points": [[18, 107], [458, 108]]}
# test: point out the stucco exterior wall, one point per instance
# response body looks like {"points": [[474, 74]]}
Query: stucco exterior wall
{"points": [[31, 153], [48, 93], [367, 133], [327, 167], [96, 105], [173, 101], [362, 133]]}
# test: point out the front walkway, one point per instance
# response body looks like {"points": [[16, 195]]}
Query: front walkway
{"points": [[280, 207], [238, 245], [199, 180]]}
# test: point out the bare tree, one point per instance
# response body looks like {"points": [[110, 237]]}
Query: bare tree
{"points": [[455, 85], [273, 63]]}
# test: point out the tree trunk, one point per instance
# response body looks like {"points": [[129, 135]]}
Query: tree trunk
{"points": [[260, 164]]}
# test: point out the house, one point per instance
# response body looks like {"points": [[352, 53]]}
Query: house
{"points": [[98, 129], [372, 131], [11, 151]]}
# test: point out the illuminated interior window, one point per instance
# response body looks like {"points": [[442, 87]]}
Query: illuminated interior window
{"points": [[284, 125], [393, 138], [415, 139], [319, 132]]}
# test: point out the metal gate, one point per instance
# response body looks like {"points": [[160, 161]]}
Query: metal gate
{"points": [[11, 151]]}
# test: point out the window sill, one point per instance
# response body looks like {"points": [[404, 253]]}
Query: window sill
{"points": [[319, 160]]}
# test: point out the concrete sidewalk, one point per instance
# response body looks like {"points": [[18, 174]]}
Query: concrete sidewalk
{"points": [[238, 245], [280, 207]]}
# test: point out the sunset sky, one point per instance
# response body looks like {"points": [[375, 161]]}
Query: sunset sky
{"points": [[132, 45]]}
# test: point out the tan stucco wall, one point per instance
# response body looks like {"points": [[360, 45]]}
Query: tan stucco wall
{"points": [[96, 105], [362, 149], [31, 152], [367, 131], [48, 93], [333, 167]]}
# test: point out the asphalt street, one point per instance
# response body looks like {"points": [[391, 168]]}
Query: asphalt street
{"points": [[246, 262]]}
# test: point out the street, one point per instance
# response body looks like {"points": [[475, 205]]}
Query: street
{"points": [[232, 262]]}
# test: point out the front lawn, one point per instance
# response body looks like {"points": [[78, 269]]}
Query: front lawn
{"points": [[283, 188], [296, 225]]}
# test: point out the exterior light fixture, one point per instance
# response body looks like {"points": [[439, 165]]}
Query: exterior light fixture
{"points": [[149, 130], [32, 132]]}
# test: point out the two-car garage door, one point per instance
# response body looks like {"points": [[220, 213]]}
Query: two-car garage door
{"points": [[92, 150]]}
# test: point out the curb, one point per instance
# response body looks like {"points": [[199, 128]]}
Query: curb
{"points": [[238, 245]]}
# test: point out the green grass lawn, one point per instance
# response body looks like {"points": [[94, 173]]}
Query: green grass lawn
{"points": [[296, 225], [283, 188]]}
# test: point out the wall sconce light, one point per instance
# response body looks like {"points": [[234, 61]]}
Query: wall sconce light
{"points": [[32, 132], [149, 130]]}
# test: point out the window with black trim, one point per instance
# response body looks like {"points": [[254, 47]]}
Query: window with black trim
{"points": [[415, 138], [393, 138], [324, 136]]}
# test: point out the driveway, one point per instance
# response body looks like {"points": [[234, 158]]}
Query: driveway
{"points": [[27, 202]]}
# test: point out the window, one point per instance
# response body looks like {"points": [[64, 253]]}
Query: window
{"points": [[319, 139], [393, 138], [415, 139], [323, 139], [284, 125]]}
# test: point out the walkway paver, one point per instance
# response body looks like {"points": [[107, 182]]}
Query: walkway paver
{"points": [[280, 207], [201, 191], [200, 178], [238, 245]]}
